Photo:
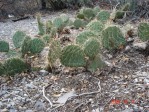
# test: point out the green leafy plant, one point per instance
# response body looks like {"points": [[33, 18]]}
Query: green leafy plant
{"points": [[103, 16], [41, 26], [112, 38], [4, 46], [95, 26], [25, 48], [73, 56], [18, 38], [13, 66], [84, 36], [143, 31], [36, 45]]}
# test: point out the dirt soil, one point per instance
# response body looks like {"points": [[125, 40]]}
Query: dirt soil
{"points": [[122, 86]]}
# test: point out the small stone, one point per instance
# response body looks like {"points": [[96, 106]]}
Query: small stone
{"points": [[5, 110], [28, 111], [43, 72]]}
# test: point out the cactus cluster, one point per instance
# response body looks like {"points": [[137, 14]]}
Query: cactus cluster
{"points": [[143, 31], [41, 26], [112, 38], [4, 46]]}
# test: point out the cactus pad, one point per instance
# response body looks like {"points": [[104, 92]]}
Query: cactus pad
{"points": [[41, 26], [103, 16], [112, 38], [36, 45], [14, 65], [84, 36], [64, 17], [58, 23], [95, 26], [48, 26], [18, 38], [95, 63], [26, 45], [96, 10], [88, 13], [54, 52], [143, 31], [79, 23], [46, 38], [2, 70], [4, 46], [91, 48], [73, 56]]}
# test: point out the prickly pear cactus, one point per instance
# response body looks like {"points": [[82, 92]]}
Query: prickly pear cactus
{"points": [[80, 16], [143, 31], [54, 51], [91, 47], [41, 26], [2, 70], [48, 26], [26, 46], [64, 17], [79, 23], [96, 10], [58, 23], [103, 16], [112, 38], [18, 38], [95, 26], [125, 7], [14, 65], [88, 13], [46, 38], [4, 46], [95, 63], [36, 45], [73, 56], [84, 36]]}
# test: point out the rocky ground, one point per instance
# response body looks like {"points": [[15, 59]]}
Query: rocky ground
{"points": [[122, 86]]}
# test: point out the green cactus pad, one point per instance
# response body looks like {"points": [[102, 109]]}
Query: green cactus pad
{"points": [[26, 45], [36, 45], [91, 48], [103, 16], [73, 56], [143, 31], [14, 65], [112, 38], [4, 46], [18, 38], [64, 17], [54, 52], [2, 70], [125, 7], [96, 10], [79, 23], [88, 13], [58, 23], [46, 38], [41, 26], [95, 63], [49, 25], [80, 16], [119, 15], [84, 36], [95, 26]]}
